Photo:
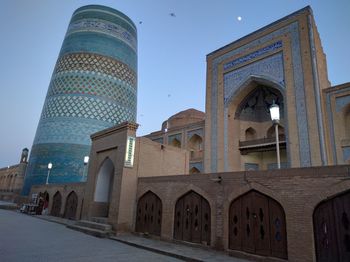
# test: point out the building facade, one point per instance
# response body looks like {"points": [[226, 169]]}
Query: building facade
{"points": [[239, 204], [184, 130], [93, 87], [12, 178]]}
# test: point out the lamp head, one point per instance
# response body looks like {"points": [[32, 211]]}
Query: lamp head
{"points": [[49, 166], [275, 112]]}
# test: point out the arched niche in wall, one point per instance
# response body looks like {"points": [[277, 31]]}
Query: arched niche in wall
{"points": [[271, 133], [175, 142], [104, 182], [195, 143], [250, 134]]}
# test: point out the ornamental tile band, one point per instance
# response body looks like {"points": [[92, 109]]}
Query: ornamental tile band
{"points": [[100, 26], [253, 55], [96, 64]]}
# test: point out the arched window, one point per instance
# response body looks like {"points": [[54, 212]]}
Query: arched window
{"points": [[271, 131], [250, 134]]}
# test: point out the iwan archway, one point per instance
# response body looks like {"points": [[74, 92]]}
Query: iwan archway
{"points": [[249, 132], [103, 188]]}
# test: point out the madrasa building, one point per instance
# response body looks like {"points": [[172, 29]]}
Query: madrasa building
{"points": [[213, 179]]}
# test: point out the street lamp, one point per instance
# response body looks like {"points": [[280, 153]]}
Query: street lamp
{"points": [[49, 166], [275, 117], [86, 161]]}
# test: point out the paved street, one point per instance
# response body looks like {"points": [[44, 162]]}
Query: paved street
{"points": [[24, 238]]}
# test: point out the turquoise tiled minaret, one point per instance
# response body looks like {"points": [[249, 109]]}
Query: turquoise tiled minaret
{"points": [[93, 87]]}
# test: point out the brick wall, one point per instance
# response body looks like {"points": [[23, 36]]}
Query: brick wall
{"points": [[298, 190]]}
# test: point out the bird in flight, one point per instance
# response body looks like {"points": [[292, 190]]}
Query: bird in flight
{"points": [[172, 14]]}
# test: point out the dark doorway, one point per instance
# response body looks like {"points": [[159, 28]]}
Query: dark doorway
{"points": [[56, 204], [257, 225], [71, 206], [332, 229], [43, 203], [149, 214], [192, 219]]}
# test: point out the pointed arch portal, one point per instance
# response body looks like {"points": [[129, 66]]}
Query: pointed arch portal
{"points": [[104, 182], [257, 225], [71, 206], [192, 219], [56, 204], [149, 214], [332, 229]]}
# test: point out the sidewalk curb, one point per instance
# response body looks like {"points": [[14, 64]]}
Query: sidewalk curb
{"points": [[162, 252]]}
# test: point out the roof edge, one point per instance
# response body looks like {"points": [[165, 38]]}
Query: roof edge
{"points": [[306, 8]]}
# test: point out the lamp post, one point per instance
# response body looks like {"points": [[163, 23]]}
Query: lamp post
{"points": [[49, 166], [86, 161], [275, 117]]}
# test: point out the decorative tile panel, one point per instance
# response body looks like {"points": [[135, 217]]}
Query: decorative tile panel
{"points": [[270, 67]]}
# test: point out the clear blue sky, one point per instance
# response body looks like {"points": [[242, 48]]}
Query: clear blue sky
{"points": [[171, 53]]}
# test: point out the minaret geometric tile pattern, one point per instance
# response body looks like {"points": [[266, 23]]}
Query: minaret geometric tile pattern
{"points": [[93, 87]]}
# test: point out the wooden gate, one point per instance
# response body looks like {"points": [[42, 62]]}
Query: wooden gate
{"points": [[56, 204], [149, 214], [71, 205], [257, 225], [332, 229], [192, 219]]}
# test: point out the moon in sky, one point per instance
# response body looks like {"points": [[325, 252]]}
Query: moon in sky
{"points": [[239, 18]]}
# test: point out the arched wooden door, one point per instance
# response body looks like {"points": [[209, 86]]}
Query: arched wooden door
{"points": [[56, 204], [71, 205], [257, 225], [149, 214], [192, 219], [332, 229]]}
